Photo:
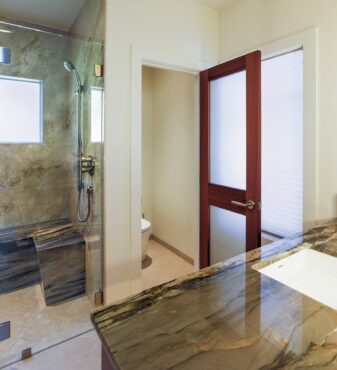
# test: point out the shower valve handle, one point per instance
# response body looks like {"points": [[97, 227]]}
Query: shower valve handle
{"points": [[88, 164]]}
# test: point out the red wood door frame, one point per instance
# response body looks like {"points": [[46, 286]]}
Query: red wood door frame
{"points": [[221, 196]]}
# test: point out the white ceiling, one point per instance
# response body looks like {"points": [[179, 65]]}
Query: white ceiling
{"points": [[217, 4], [58, 14]]}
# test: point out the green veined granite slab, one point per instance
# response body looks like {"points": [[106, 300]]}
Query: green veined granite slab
{"points": [[227, 316]]}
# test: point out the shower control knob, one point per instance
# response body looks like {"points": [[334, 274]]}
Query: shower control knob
{"points": [[88, 164]]}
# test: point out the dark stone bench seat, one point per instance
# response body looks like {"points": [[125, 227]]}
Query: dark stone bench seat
{"points": [[51, 253], [61, 256], [18, 265]]}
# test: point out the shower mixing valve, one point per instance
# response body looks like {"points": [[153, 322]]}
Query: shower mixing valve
{"points": [[88, 164]]}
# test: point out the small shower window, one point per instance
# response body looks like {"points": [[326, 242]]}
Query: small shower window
{"points": [[96, 114], [21, 119]]}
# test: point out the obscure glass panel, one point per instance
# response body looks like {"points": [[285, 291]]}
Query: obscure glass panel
{"points": [[282, 144], [228, 131], [21, 110], [5, 55], [227, 234], [96, 114]]}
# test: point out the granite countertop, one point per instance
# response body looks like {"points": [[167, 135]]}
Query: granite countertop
{"points": [[227, 316]]}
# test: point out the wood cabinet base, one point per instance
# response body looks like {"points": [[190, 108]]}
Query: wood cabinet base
{"points": [[106, 362]]}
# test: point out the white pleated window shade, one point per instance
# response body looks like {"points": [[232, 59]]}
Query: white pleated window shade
{"points": [[282, 144]]}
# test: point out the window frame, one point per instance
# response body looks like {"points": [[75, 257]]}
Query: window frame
{"points": [[306, 40], [101, 90], [266, 231]]}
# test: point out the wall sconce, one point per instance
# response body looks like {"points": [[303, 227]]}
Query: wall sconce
{"points": [[5, 55]]}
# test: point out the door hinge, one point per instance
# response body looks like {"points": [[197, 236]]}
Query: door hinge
{"points": [[99, 298], [26, 353], [99, 70]]}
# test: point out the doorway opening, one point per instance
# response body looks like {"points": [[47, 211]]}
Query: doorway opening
{"points": [[169, 175]]}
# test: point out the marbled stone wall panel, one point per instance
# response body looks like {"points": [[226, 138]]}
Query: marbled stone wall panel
{"points": [[36, 178]]}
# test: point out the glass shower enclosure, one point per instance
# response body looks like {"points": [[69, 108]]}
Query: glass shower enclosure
{"points": [[51, 177]]}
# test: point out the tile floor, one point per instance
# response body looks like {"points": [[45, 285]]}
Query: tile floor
{"points": [[166, 266], [37, 326], [48, 324], [80, 353]]}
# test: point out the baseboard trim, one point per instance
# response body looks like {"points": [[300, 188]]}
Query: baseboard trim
{"points": [[173, 249]]}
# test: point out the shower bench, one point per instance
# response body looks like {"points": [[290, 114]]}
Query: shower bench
{"points": [[51, 253]]}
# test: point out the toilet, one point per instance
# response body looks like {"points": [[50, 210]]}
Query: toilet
{"points": [[146, 231]]}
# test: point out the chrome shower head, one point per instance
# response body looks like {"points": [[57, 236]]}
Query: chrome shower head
{"points": [[68, 66], [71, 68]]}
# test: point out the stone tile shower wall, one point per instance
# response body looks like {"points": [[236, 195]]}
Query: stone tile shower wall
{"points": [[87, 50], [36, 180]]}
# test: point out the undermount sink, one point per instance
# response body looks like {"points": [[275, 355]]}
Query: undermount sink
{"points": [[310, 272]]}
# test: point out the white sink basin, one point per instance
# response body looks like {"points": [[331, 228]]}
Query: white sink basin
{"points": [[309, 272]]}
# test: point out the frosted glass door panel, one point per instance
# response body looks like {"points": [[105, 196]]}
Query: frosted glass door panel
{"points": [[228, 131], [227, 234]]}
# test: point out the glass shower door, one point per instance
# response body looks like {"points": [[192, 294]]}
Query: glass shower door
{"points": [[50, 261]]}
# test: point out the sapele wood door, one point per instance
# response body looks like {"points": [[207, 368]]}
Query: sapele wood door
{"points": [[230, 159]]}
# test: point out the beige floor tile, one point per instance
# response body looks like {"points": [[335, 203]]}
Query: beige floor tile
{"points": [[80, 353], [166, 266], [35, 325]]}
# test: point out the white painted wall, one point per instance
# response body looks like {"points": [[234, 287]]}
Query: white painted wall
{"points": [[147, 144], [185, 29], [252, 23], [168, 151]]}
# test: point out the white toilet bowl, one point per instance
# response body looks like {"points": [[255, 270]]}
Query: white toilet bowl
{"points": [[146, 231]]}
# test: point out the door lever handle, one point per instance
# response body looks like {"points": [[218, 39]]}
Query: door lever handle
{"points": [[250, 204]]}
